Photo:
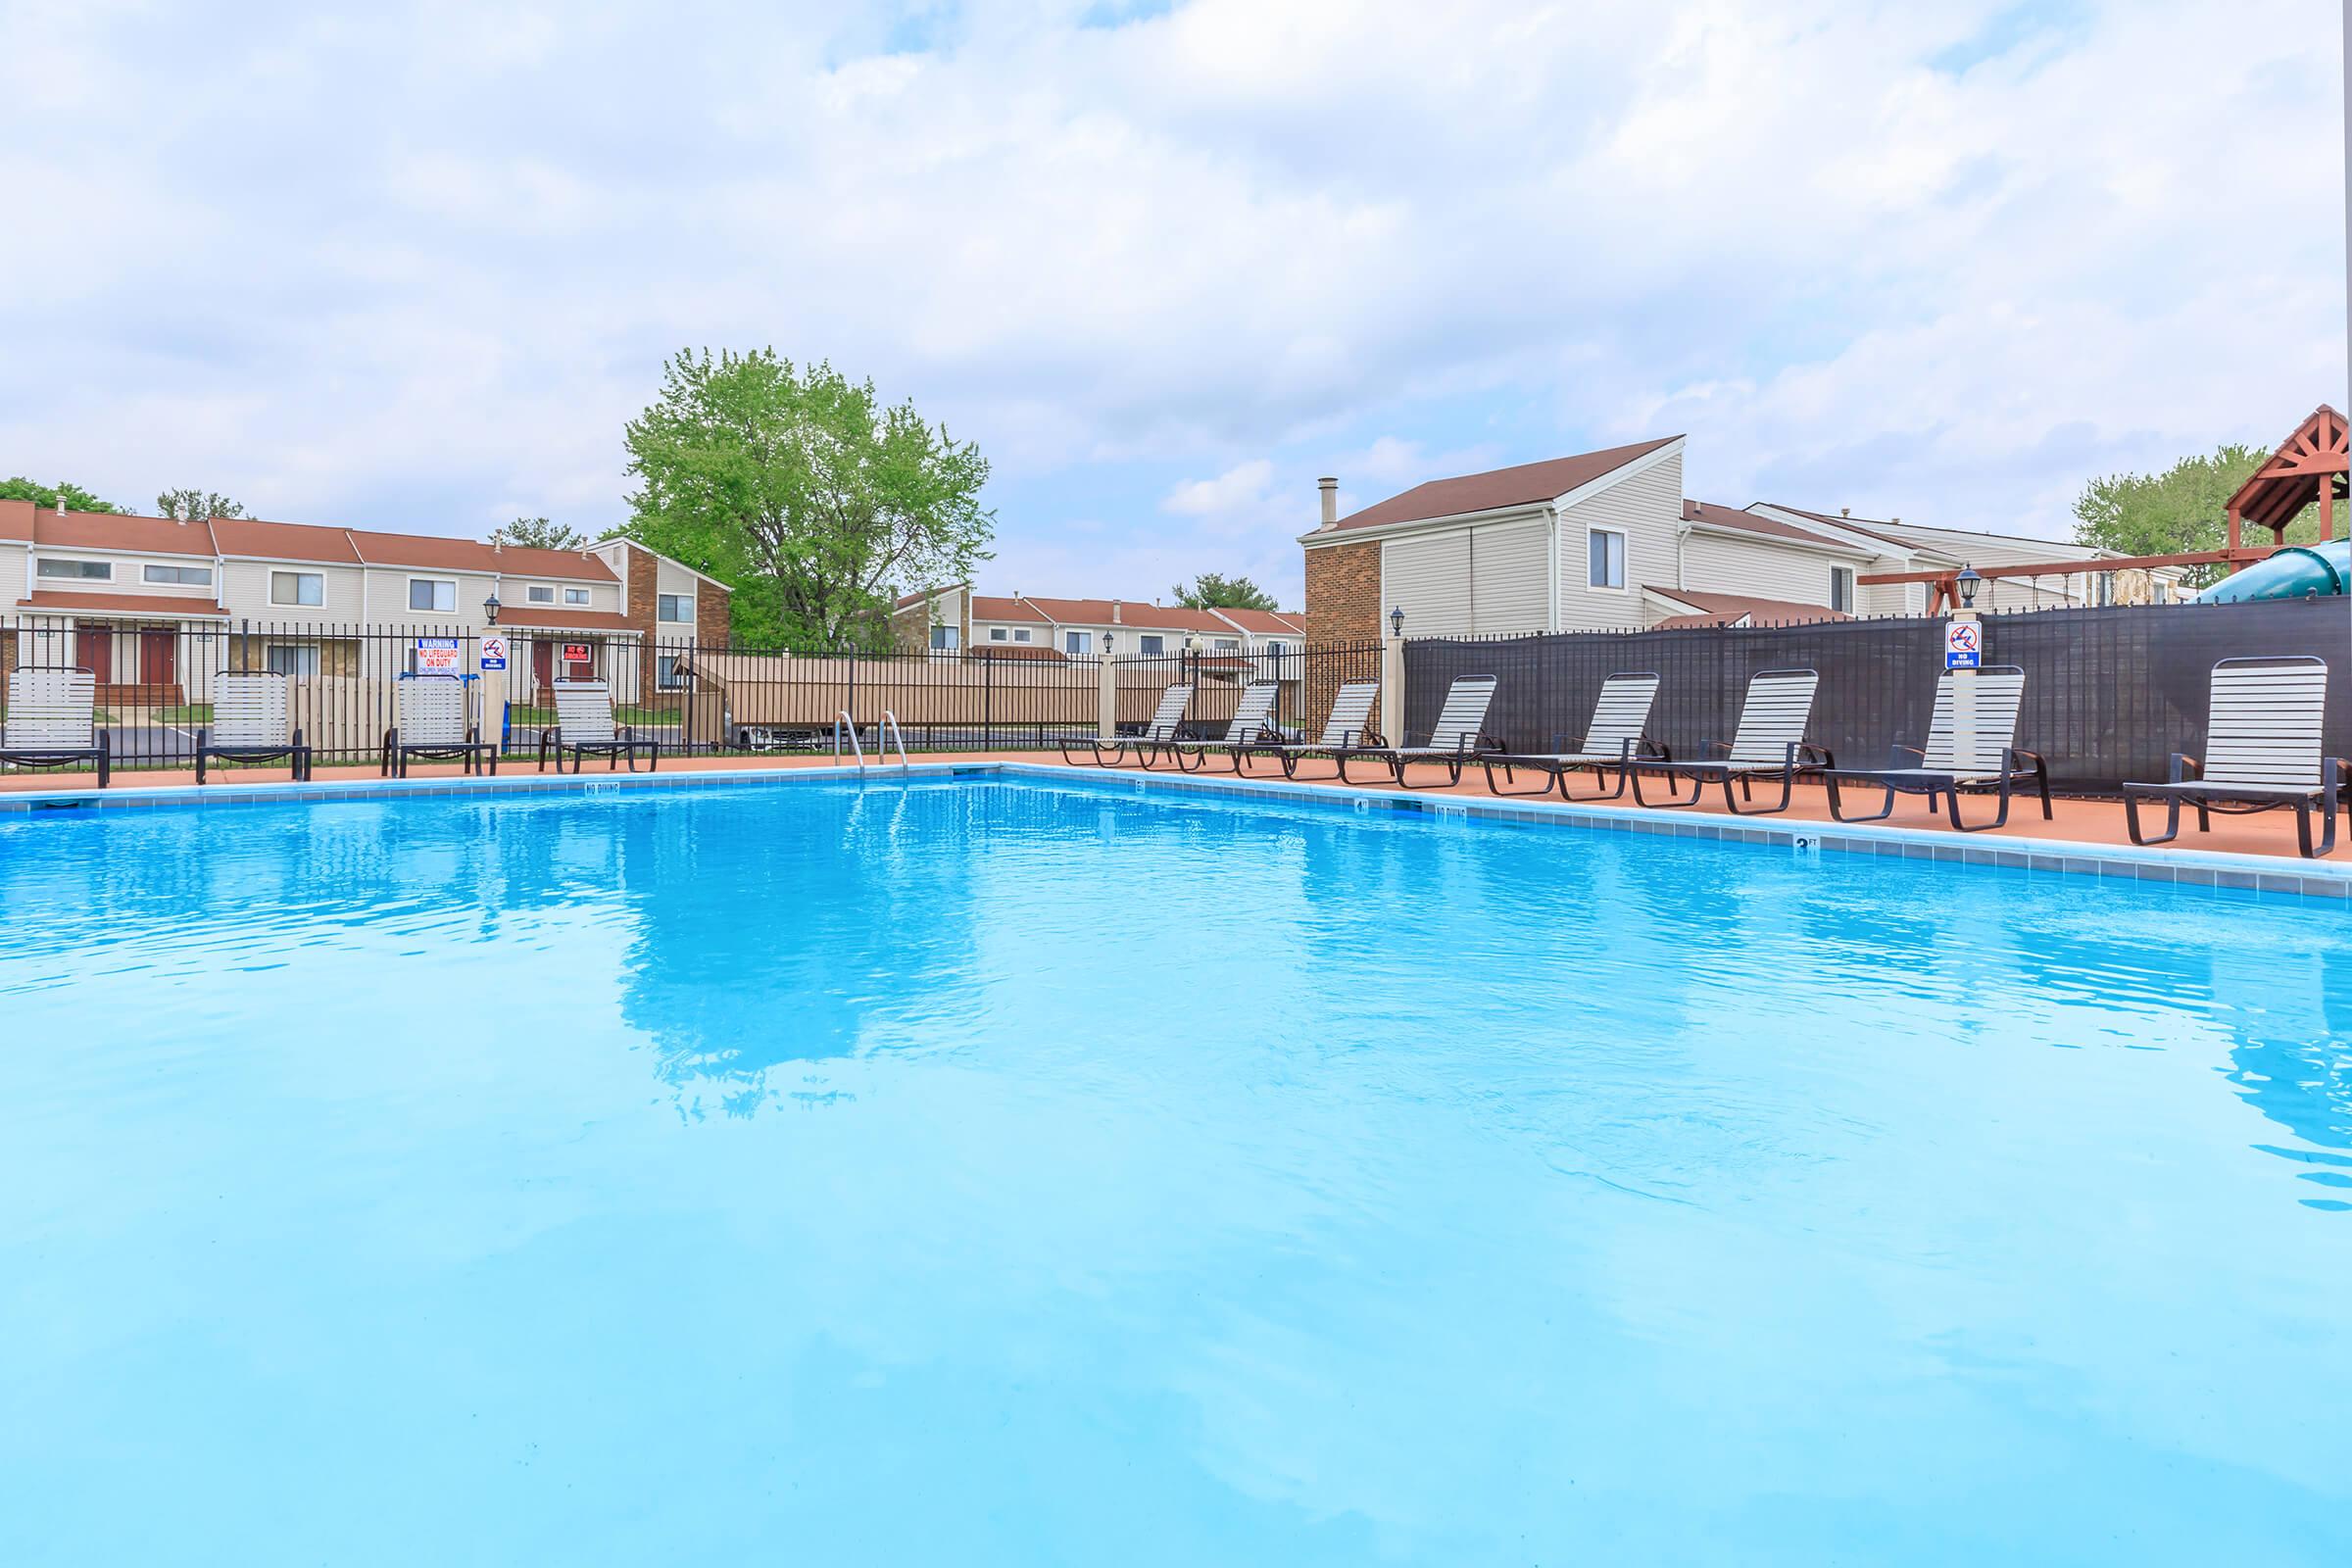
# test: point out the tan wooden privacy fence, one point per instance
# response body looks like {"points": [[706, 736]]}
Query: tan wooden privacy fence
{"points": [[785, 692]]}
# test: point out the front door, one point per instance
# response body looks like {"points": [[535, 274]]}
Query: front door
{"points": [[94, 650], [158, 657], [543, 668]]}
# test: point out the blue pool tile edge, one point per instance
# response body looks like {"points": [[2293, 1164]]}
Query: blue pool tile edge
{"points": [[2186, 868]]}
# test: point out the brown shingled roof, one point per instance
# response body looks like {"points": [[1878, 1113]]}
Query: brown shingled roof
{"points": [[1520, 486], [436, 553], [116, 531], [160, 606], [283, 541], [1729, 610], [1751, 523]]}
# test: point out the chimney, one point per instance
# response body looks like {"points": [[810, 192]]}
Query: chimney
{"points": [[1330, 499], [61, 503], [1114, 614], [1894, 520], [1845, 512]]}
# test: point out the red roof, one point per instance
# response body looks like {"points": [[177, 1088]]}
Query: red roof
{"points": [[112, 530], [564, 620], [1138, 613], [1726, 610], [161, 607], [1523, 486], [257, 539], [283, 541], [436, 553], [1265, 622]]}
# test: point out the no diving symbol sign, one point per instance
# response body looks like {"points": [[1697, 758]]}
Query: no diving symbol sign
{"points": [[1961, 647]]}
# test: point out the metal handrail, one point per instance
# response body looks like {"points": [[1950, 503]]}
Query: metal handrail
{"points": [[841, 720], [890, 736]]}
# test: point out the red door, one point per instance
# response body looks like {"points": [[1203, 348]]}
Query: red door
{"points": [[158, 655], [94, 650], [543, 668]]}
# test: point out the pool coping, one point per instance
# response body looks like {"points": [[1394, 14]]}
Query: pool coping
{"points": [[2183, 866]]}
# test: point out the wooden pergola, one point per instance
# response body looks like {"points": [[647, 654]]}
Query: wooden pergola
{"points": [[2311, 464]]}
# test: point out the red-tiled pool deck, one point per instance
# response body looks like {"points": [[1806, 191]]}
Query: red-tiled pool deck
{"points": [[2076, 821]]}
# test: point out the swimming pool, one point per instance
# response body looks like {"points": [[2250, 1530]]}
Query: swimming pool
{"points": [[1000, 1171]]}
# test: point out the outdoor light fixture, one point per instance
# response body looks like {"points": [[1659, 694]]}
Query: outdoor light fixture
{"points": [[490, 606], [1968, 582], [1397, 622]]}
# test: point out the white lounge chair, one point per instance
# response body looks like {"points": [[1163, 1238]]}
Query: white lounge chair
{"points": [[250, 724], [433, 724], [1166, 720], [1939, 769], [1252, 717], [1348, 727], [53, 721], [2263, 734], [1770, 742], [584, 724], [1617, 737], [1457, 739]]}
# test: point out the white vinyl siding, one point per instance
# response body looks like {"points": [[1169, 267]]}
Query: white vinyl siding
{"points": [[1428, 577], [1758, 569], [1647, 507], [1508, 563]]}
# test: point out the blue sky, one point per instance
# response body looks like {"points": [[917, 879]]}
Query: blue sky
{"points": [[412, 267]]}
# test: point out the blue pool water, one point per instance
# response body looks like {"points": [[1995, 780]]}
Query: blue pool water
{"points": [[990, 1172]]}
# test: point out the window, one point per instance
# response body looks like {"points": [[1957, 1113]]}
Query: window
{"points": [[2164, 592], [1077, 642], [1606, 547], [199, 576], [666, 674], [1842, 588], [292, 659], [1227, 645], [579, 596], [2105, 588], [1020, 634], [1276, 650], [1152, 643], [297, 588], [436, 596], [944, 638], [673, 607], [82, 570], [996, 634], [539, 593]]}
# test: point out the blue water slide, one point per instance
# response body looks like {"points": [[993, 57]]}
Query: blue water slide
{"points": [[2299, 571]]}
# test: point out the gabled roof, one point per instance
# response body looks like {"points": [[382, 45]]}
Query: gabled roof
{"points": [[1714, 516], [1734, 610], [1264, 623], [1141, 614], [254, 539], [436, 553], [2291, 477], [1868, 527], [116, 531], [1525, 485], [257, 539]]}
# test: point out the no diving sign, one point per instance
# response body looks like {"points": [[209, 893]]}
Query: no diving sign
{"points": [[1963, 647]]}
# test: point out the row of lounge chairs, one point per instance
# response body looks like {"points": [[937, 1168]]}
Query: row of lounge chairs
{"points": [[2264, 750], [52, 722]]}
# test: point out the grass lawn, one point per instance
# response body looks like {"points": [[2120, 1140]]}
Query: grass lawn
{"points": [[185, 713]]}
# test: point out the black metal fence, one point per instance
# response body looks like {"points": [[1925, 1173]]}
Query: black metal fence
{"points": [[2110, 694], [156, 679]]}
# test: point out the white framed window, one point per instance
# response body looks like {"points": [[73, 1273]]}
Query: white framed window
{"points": [[1227, 645], [539, 593], [673, 607], [1605, 560], [944, 638], [1077, 642], [997, 634], [194, 577], [1151, 642], [579, 596], [77, 571], [433, 596], [1020, 634], [1842, 588], [2103, 590], [1276, 650], [297, 588], [667, 674], [291, 659]]}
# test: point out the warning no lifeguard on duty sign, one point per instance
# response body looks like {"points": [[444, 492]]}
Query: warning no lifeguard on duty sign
{"points": [[1962, 646]]}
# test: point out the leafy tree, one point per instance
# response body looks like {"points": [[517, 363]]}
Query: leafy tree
{"points": [[806, 495], [77, 499], [2182, 509], [537, 533], [195, 506], [1215, 591]]}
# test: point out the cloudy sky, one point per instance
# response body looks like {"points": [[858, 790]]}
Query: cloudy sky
{"points": [[412, 266]]}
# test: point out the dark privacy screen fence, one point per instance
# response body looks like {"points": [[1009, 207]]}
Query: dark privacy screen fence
{"points": [[2110, 694]]}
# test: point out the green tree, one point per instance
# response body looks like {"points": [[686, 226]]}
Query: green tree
{"points": [[537, 533], [2182, 509], [77, 499], [1215, 591], [804, 494], [195, 506]]}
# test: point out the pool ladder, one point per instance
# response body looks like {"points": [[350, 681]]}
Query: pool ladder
{"points": [[889, 736]]}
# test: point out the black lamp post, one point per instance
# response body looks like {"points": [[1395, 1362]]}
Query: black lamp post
{"points": [[1397, 622], [490, 606], [1968, 582]]}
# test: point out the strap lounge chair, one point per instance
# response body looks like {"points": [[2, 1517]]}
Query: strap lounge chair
{"points": [[1617, 738], [1350, 726], [249, 724], [1457, 739], [1253, 719], [1770, 742], [1166, 720], [584, 724], [1939, 769], [432, 724], [2262, 752], [53, 721]]}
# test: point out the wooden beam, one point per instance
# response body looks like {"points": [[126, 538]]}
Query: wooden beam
{"points": [[2068, 569]]}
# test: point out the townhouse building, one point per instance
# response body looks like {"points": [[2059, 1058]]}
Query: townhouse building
{"points": [[1027, 627]]}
